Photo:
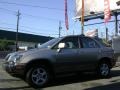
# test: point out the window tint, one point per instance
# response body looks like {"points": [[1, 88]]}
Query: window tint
{"points": [[89, 43], [70, 42]]}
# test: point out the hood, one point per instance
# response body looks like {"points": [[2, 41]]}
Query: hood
{"points": [[31, 51]]}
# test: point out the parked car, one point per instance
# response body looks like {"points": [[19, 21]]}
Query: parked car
{"points": [[59, 56]]}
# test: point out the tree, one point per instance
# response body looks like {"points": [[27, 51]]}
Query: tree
{"points": [[4, 44]]}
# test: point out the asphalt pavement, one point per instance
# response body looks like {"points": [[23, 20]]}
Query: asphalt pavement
{"points": [[86, 81]]}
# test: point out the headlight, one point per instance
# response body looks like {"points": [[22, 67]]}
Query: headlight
{"points": [[15, 58]]}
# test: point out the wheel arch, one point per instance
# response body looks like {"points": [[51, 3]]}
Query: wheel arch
{"points": [[106, 60], [35, 62]]}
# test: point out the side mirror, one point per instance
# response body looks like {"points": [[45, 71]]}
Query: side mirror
{"points": [[61, 45]]}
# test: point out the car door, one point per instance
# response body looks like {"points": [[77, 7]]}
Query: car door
{"points": [[88, 53], [66, 58]]}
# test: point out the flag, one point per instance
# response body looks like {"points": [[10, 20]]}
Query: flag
{"points": [[107, 15], [66, 16]]}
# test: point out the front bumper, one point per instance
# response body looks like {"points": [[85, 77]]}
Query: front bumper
{"points": [[14, 70]]}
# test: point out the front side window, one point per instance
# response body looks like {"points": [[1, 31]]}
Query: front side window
{"points": [[70, 43], [89, 43]]}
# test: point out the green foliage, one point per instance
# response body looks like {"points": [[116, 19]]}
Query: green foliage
{"points": [[4, 44], [106, 42]]}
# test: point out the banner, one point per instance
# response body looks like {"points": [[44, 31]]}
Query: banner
{"points": [[91, 33], [107, 13], [66, 16], [95, 6]]}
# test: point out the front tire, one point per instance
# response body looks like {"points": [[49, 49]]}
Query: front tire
{"points": [[103, 70], [38, 76]]}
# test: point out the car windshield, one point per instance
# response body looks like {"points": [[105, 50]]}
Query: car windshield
{"points": [[49, 43]]}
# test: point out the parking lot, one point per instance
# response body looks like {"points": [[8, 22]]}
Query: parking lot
{"points": [[71, 82]]}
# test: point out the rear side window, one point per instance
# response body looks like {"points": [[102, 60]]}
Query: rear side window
{"points": [[89, 43]]}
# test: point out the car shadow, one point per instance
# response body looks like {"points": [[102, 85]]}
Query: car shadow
{"points": [[9, 80], [114, 86], [115, 73], [77, 78], [70, 79], [15, 88]]}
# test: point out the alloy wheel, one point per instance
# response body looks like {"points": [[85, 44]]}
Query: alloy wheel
{"points": [[39, 76]]}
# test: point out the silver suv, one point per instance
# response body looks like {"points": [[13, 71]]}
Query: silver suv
{"points": [[58, 56]]}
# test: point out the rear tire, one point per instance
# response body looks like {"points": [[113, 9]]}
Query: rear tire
{"points": [[38, 76], [103, 69]]}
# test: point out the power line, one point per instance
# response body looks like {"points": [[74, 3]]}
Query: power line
{"points": [[34, 6], [6, 23], [27, 27], [21, 30], [31, 32], [99, 23], [31, 28], [51, 19], [7, 28], [33, 16], [36, 33], [10, 11]]}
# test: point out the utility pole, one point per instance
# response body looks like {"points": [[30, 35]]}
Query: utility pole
{"points": [[60, 28], [97, 33], [106, 34], [102, 35], [73, 32], [82, 18], [116, 24], [18, 17]]}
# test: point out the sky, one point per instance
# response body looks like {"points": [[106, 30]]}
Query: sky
{"points": [[42, 17]]}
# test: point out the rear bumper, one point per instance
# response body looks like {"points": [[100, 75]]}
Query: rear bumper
{"points": [[117, 57], [113, 63]]}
